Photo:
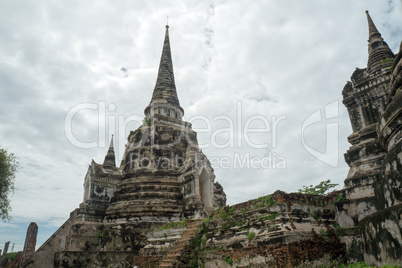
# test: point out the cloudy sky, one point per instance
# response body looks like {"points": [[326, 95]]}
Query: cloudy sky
{"points": [[72, 74]]}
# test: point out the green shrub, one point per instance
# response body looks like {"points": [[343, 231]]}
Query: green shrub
{"points": [[319, 189], [228, 260]]}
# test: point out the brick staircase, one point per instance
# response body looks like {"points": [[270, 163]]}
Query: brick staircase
{"points": [[171, 257]]}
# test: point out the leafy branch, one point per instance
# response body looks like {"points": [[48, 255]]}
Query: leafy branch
{"points": [[319, 189]]}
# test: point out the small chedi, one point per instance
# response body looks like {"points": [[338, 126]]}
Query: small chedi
{"points": [[163, 208]]}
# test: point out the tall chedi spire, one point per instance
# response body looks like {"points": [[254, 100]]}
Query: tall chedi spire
{"points": [[164, 98], [110, 159], [379, 52], [365, 98]]}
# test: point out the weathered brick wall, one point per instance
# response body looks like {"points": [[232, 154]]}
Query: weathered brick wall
{"points": [[281, 230], [121, 259]]}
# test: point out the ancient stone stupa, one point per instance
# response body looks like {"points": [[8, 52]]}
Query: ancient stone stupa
{"points": [[365, 98], [163, 177]]}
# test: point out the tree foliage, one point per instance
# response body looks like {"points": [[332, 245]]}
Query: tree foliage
{"points": [[319, 189], [8, 168]]}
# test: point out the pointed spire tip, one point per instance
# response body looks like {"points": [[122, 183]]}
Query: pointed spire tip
{"points": [[377, 47], [111, 146], [165, 93]]}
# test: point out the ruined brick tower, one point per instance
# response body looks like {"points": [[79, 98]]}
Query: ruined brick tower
{"points": [[30, 242]]}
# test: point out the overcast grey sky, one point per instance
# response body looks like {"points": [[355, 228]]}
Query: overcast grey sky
{"points": [[264, 60]]}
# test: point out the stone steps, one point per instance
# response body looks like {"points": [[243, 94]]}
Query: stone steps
{"points": [[171, 257]]}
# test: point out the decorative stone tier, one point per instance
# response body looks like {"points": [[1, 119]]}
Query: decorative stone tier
{"points": [[146, 195], [366, 99]]}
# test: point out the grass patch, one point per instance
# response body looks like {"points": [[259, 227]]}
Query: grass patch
{"points": [[250, 235], [228, 260], [264, 201], [173, 225], [269, 217], [339, 198]]}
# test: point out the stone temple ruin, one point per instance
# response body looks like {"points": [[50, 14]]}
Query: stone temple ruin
{"points": [[163, 175], [163, 208]]}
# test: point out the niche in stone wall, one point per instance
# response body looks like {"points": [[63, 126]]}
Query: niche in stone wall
{"points": [[187, 189], [205, 188]]}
